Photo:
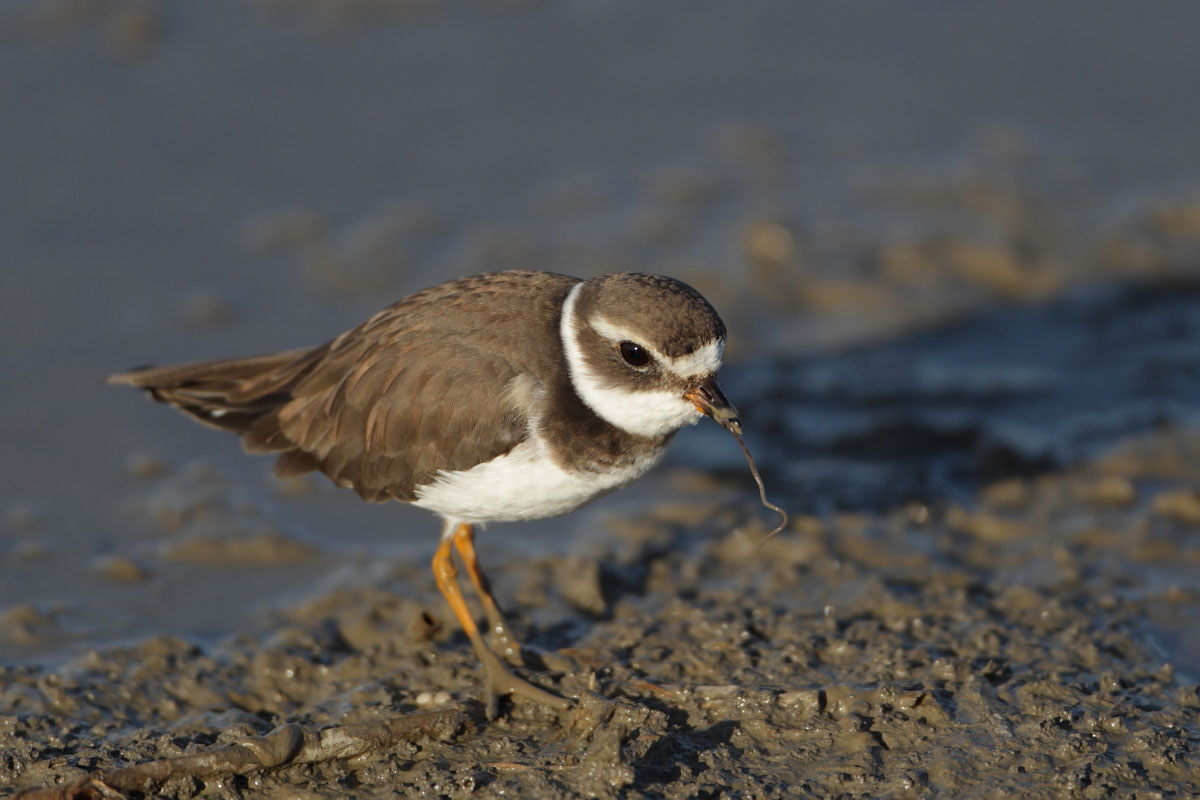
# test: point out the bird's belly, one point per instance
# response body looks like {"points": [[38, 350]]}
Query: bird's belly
{"points": [[522, 484]]}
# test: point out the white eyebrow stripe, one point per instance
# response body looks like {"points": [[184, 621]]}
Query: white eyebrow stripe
{"points": [[704, 360], [615, 333]]}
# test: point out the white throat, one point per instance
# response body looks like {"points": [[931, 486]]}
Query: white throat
{"points": [[652, 414]]}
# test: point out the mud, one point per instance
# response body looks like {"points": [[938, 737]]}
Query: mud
{"points": [[990, 650], [1009, 391]]}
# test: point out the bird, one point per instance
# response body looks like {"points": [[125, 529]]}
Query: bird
{"points": [[503, 396]]}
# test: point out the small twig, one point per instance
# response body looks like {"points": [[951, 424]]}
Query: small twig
{"points": [[287, 745]]}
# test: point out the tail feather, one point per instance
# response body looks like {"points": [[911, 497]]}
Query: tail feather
{"points": [[232, 378], [242, 395]]}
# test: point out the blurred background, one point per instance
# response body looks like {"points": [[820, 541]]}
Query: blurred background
{"points": [[955, 244]]}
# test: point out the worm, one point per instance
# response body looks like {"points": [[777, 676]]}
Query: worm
{"points": [[762, 494]]}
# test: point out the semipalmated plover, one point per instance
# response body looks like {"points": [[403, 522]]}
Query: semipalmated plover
{"points": [[506, 396]]}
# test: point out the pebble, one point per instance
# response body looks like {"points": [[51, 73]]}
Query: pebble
{"points": [[426, 699]]}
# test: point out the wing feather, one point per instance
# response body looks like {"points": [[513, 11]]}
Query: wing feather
{"points": [[424, 386], [409, 394]]}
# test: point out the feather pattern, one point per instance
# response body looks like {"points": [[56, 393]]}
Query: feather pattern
{"points": [[387, 406], [489, 397]]}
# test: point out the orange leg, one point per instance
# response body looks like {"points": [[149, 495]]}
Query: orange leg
{"points": [[500, 679], [464, 542]]}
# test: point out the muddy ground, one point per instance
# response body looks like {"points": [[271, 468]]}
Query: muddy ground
{"points": [[1016, 647], [989, 588], [961, 271]]}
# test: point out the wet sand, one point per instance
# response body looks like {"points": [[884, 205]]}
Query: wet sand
{"points": [[965, 316]]}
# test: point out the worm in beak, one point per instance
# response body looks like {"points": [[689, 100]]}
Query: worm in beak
{"points": [[710, 401]]}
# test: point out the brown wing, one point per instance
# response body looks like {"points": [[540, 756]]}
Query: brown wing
{"points": [[420, 387], [425, 385], [384, 418]]}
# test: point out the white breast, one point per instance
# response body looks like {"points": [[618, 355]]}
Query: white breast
{"points": [[522, 484]]}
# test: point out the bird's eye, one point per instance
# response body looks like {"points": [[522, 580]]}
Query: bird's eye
{"points": [[634, 354]]}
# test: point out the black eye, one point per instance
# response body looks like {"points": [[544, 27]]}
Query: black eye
{"points": [[634, 354]]}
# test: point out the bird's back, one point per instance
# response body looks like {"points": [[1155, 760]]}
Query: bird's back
{"points": [[419, 388]]}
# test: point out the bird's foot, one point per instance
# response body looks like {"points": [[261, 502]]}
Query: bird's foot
{"points": [[502, 681]]}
